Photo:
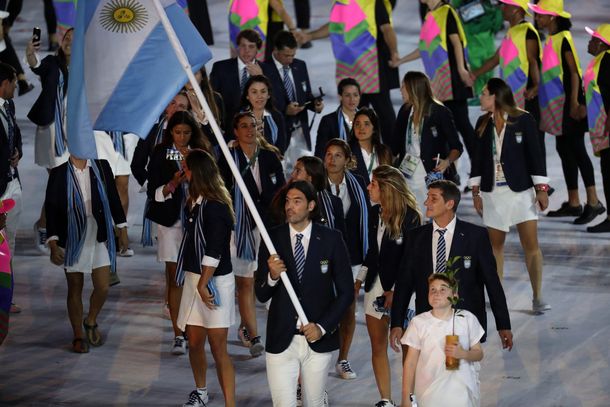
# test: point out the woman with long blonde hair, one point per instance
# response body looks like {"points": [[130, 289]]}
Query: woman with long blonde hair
{"points": [[395, 213], [207, 307]]}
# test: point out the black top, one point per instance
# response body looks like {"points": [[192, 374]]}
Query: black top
{"points": [[56, 202], [460, 91], [388, 77], [531, 35], [603, 80], [217, 225], [570, 125], [325, 291], [476, 274], [384, 261], [43, 109]]}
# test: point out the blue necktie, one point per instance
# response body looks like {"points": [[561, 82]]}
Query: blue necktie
{"points": [[299, 256], [288, 85], [244, 79], [10, 127], [441, 262]]}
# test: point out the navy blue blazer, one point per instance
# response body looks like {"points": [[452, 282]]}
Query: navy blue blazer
{"points": [[282, 136], [5, 155], [477, 274], [384, 261], [161, 172], [521, 155], [56, 202], [325, 292], [352, 235], [224, 78], [217, 225], [384, 155], [337, 214], [272, 179], [143, 152], [439, 135], [328, 129], [302, 93], [42, 112]]}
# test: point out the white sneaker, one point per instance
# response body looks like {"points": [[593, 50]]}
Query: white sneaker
{"points": [[385, 403], [179, 347], [344, 370], [539, 306], [196, 399], [126, 252]]}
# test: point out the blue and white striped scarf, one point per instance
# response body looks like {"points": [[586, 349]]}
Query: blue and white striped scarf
{"points": [[273, 127], [342, 124], [200, 243], [244, 233], [352, 184], [118, 142], [327, 204], [77, 217], [60, 143]]}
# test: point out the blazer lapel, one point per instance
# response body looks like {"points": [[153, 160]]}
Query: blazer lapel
{"points": [[313, 254], [457, 243]]}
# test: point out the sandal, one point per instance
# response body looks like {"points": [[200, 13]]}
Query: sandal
{"points": [[79, 345], [93, 335]]}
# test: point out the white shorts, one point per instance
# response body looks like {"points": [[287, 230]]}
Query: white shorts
{"points": [[44, 148], [194, 312], [93, 255], [369, 298], [241, 267], [106, 151], [503, 208], [168, 240]]}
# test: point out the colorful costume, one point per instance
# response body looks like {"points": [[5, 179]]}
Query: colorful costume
{"points": [[248, 14], [596, 110]]}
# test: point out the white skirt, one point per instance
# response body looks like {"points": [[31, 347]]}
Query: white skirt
{"points": [[370, 297], [44, 148], [241, 267], [93, 255], [106, 151], [503, 208], [169, 239], [194, 312]]}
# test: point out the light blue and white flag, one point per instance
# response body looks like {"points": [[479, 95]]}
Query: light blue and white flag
{"points": [[124, 70]]}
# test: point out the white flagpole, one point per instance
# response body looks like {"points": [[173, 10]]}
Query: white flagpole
{"points": [[181, 55]]}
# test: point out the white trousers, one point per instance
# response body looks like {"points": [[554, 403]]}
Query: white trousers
{"points": [[13, 191], [283, 371]]}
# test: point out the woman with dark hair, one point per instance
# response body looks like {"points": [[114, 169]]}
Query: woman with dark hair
{"points": [[262, 172], [338, 124], [167, 194], [442, 47], [563, 112], [48, 113], [394, 213], [207, 307], [213, 98], [509, 179], [365, 142], [351, 189], [257, 98], [424, 132]]}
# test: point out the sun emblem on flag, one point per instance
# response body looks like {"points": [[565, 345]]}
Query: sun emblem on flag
{"points": [[123, 16]]}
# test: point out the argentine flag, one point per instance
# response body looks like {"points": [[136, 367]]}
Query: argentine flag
{"points": [[124, 70]]}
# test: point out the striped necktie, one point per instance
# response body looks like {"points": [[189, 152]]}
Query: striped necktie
{"points": [[441, 261], [244, 79], [299, 256], [288, 85]]}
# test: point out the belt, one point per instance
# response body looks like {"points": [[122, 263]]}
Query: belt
{"points": [[501, 184]]}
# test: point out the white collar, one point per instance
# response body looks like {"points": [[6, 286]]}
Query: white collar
{"points": [[343, 181], [305, 232], [449, 228], [241, 65]]}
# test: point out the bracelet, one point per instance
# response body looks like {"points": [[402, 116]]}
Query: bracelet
{"points": [[170, 187], [542, 188]]}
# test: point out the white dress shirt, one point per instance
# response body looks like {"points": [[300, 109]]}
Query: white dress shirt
{"points": [[343, 194], [448, 239]]}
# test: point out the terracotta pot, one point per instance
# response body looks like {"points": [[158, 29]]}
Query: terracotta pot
{"points": [[452, 363]]}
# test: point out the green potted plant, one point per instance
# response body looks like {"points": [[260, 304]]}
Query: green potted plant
{"points": [[451, 270]]}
